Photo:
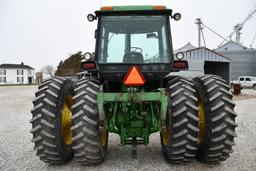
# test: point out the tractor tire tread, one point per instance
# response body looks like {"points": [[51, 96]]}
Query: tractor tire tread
{"points": [[45, 135], [88, 150], [183, 110], [219, 117]]}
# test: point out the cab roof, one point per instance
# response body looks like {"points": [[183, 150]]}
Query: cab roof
{"points": [[133, 8]]}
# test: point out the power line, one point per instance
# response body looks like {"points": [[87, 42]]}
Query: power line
{"points": [[201, 33], [253, 39], [203, 37], [239, 27], [213, 31]]}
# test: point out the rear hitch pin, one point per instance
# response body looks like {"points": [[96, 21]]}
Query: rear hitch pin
{"points": [[134, 148]]}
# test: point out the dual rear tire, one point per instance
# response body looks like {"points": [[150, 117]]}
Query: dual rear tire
{"points": [[51, 121], [200, 120], [179, 138], [89, 142], [58, 106], [217, 136]]}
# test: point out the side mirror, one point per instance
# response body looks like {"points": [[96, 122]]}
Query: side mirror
{"points": [[151, 35]]}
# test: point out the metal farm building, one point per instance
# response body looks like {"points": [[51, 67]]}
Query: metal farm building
{"points": [[205, 61], [243, 59]]}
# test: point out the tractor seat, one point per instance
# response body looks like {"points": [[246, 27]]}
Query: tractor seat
{"points": [[133, 57]]}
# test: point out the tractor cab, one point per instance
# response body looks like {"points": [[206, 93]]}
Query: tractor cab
{"points": [[132, 36]]}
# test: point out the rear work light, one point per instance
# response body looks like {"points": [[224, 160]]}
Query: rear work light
{"points": [[180, 65], [134, 77]]}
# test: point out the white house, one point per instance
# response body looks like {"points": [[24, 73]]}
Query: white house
{"points": [[16, 74]]}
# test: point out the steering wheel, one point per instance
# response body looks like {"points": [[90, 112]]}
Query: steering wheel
{"points": [[136, 49]]}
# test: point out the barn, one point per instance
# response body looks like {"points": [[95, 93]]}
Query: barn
{"points": [[243, 59], [204, 61]]}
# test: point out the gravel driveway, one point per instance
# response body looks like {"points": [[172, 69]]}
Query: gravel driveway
{"points": [[16, 150]]}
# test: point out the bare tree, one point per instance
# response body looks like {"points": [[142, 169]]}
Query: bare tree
{"points": [[48, 70]]}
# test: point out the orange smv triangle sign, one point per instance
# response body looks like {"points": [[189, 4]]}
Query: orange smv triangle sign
{"points": [[134, 77]]}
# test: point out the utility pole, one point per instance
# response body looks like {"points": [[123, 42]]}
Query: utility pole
{"points": [[238, 29], [199, 23]]}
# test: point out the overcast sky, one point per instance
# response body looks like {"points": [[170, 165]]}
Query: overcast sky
{"points": [[41, 32]]}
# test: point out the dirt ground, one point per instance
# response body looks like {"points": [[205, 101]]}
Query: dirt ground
{"points": [[16, 150]]}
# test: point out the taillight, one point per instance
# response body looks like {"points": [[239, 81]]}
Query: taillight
{"points": [[180, 65], [89, 65]]}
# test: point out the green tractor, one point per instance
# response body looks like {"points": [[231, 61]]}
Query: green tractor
{"points": [[130, 89]]}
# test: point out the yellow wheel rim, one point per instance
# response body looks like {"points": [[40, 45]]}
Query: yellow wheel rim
{"points": [[66, 120], [103, 137], [165, 136], [201, 115]]}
